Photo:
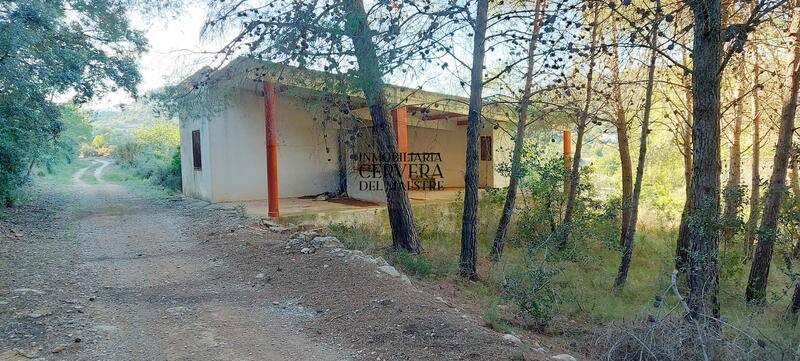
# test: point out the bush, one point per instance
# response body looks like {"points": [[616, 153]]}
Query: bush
{"points": [[127, 153], [530, 289], [151, 167]]}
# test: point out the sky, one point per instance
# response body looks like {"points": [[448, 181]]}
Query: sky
{"points": [[175, 53]]}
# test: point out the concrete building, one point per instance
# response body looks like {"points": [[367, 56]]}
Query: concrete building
{"points": [[322, 141]]}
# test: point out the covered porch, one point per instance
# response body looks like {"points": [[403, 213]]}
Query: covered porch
{"points": [[319, 207]]}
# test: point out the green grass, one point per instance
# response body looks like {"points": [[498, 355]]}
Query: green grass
{"points": [[63, 173], [116, 174], [585, 286], [88, 177]]}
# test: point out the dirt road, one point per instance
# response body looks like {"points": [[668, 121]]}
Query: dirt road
{"points": [[107, 271]]}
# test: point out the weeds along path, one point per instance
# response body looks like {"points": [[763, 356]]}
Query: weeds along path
{"points": [[105, 271]]}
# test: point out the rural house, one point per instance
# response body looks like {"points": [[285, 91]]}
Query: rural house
{"points": [[255, 130]]}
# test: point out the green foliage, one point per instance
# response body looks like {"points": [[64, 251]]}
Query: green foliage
{"points": [[734, 196], [150, 151], [531, 289], [413, 264], [494, 319], [45, 51], [160, 137], [154, 168], [126, 153]]}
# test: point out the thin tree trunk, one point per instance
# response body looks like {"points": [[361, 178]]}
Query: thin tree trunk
{"points": [[401, 219], [621, 125], [795, 178], [755, 180], [630, 227], [794, 307], [732, 191], [469, 252], [519, 140], [574, 176], [30, 168], [767, 232], [682, 243], [703, 213]]}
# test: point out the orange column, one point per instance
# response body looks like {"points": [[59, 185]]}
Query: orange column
{"points": [[272, 149], [400, 125]]}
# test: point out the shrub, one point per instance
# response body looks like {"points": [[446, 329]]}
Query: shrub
{"points": [[530, 289], [151, 167], [126, 153]]}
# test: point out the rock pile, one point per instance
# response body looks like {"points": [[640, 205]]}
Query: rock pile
{"points": [[314, 240], [310, 241]]}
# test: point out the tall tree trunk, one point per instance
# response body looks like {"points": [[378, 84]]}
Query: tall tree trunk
{"points": [[732, 192], [573, 180], [519, 140], [623, 145], [401, 219], [703, 213], [755, 180], [768, 230], [469, 252], [682, 243], [630, 227]]}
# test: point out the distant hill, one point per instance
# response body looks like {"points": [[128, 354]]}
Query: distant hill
{"points": [[125, 120]]}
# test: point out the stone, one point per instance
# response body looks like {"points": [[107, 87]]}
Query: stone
{"points": [[564, 357], [279, 229], [57, 349], [512, 338], [269, 223], [306, 250], [178, 311], [326, 242], [260, 275], [28, 290], [406, 280], [389, 270]]}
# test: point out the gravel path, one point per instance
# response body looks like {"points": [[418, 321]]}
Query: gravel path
{"points": [[112, 272]]}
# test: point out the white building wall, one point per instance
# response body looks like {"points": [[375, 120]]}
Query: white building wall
{"points": [[307, 160], [195, 183], [234, 143], [234, 152]]}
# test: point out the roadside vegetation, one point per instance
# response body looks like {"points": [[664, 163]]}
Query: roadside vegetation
{"points": [[669, 233], [568, 293]]}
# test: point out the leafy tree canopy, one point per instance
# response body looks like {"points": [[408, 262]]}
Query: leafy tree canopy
{"points": [[52, 48]]}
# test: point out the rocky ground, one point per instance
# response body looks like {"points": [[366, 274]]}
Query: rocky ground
{"points": [[106, 271]]}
